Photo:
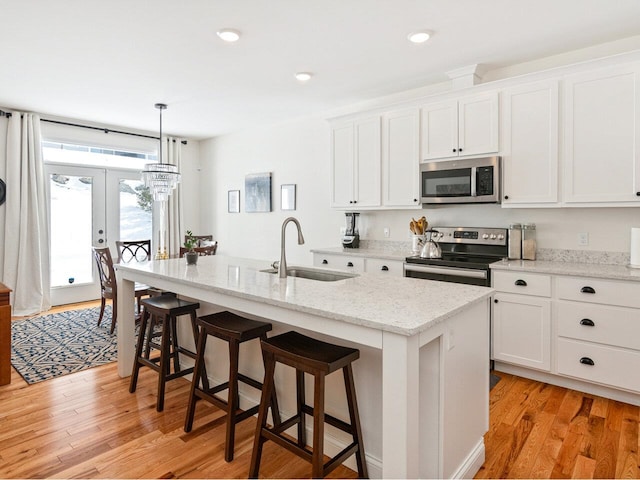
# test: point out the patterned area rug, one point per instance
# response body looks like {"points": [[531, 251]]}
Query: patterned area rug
{"points": [[52, 345]]}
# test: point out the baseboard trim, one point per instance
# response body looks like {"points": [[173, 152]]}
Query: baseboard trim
{"points": [[472, 463]]}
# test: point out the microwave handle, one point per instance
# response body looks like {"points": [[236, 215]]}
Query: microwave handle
{"points": [[474, 192]]}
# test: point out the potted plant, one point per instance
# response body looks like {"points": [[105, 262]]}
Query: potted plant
{"points": [[189, 243]]}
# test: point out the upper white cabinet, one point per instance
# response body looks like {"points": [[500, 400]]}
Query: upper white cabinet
{"points": [[401, 158], [355, 163], [529, 135], [601, 132], [460, 127]]}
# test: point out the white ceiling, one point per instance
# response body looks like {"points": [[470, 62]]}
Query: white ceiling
{"points": [[111, 61]]}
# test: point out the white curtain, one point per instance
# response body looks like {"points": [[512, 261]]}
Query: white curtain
{"points": [[173, 151], [26, 243]]}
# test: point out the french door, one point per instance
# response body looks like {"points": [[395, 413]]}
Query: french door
{"points": [[90, 206]]}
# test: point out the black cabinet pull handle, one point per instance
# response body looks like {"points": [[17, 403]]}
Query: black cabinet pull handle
{"points": [[521, 283], [506, 197], [459, 149], [587, 290], [384, 268], [495, 300], [324, 262], [454, 150], [637, 194], [587, 322], [349, 264], [415, 199], [587, 361]]}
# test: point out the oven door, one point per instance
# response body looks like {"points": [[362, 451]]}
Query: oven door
{"points": [[469, 276]]}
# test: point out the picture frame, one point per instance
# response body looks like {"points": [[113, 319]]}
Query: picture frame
{"points": [[288, 196], [233, 201], [257, 192]]}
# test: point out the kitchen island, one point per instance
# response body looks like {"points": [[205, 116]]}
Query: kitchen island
{"points": [[422, 380]]}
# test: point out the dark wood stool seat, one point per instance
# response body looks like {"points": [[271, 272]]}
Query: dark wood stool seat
{"points": [[319, 359], [234, 330], [163, 310]]}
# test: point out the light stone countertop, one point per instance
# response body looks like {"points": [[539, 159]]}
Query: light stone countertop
{"points": [[405, 306], [611, 272]]}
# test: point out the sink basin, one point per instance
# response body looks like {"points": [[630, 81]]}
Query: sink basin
{"points": [[313, 274]]}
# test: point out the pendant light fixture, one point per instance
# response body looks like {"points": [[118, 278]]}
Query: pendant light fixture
{"points": [[160, 178]]}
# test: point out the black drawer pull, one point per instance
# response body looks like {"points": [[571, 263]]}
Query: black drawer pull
{"points": [[587, 290], [349, 264], [587, 322], [587, 361], [324, 262], [384, 268], [521, 283]]}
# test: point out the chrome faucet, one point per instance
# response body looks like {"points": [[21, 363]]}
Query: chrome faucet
{"points": [[282, 266]]}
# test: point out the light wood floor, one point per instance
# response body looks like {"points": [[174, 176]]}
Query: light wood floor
{"points": [[87, 425], [543, 431]]}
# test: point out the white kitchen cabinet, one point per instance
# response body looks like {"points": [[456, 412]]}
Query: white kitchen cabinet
{"points": [[601, 133], [401, 158], [529, 135], [349, 263], [355, 163], [392, 268], [460, 127], [521, 330]]}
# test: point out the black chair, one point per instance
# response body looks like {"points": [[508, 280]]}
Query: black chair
{"points": [[133, 251], [108, 286]]}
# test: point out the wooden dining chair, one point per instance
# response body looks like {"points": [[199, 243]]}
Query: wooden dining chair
{"points": [[133, 250], [202, 240], [108, 286], [201, 251]]}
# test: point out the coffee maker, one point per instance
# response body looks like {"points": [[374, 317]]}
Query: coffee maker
{"points": [[351, 238]]}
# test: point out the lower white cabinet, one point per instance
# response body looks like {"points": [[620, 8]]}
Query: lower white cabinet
{"points": [[359, 264], [384, 266], [521, 330]]}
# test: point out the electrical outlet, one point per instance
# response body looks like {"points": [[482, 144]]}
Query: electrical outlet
{"points": [[583, 238], [386, 231]]}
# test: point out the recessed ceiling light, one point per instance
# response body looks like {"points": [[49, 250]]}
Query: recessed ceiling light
{"points": [[419, 37], [303, 76], [229, 35]]}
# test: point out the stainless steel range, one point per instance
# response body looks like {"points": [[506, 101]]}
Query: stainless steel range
{"points": [[466, 255]]}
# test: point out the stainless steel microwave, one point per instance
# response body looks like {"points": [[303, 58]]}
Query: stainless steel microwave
{"points": [[469, 180]]}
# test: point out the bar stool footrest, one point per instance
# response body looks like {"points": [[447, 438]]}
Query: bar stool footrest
{"points": [[330, 419]]}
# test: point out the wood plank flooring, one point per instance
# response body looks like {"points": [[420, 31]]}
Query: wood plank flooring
{"points": [[87, 425], [543, 431]]}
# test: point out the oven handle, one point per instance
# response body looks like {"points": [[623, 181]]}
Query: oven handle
{"points": [[459, 272], [474, 189]]}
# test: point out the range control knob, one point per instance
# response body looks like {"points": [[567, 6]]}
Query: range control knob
{"points": [[485, 236], [500, 236], [492, 236]]}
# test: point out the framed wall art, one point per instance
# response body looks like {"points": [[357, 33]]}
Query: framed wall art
{"points": [[233, 198], [257, 192], [288, 196]]}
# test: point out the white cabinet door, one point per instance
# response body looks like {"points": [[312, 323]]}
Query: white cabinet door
{"points": [[355, 163], [530, 145], [392, 268], [602, 129], [521, 330], [348, 263], [401, 158], [439, 130], [478, 124], [466, 126]]}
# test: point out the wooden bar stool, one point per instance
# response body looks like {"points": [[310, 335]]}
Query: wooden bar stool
{"points": [[319, 359], [234, 330], [163, 310]]}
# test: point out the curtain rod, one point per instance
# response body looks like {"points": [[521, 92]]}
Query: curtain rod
{"points": [[105, 130]]}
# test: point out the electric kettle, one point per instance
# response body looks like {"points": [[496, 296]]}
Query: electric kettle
{"points": [[430, 249]]}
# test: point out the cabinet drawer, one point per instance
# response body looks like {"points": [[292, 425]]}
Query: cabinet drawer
{"points": [[522, 283], [614, 326], [389, 267], [609, 292], [611, 366], [342, 262]]}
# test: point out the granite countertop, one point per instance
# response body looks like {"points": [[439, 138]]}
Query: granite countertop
{"points": [[405, 306], [605, 271]]}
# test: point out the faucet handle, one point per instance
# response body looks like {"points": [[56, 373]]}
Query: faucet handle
{"points": [[275, 264]]}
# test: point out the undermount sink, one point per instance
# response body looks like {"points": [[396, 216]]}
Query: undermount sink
{"points": [[313, 274]]}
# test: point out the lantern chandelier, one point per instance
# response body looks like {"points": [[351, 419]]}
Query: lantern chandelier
{"points": [[160, 178]]}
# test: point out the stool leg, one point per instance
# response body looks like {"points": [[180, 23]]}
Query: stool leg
{"points": [[194, 327], [300, 399], [317, 458], [232, 399], [354, 416], [267, 387], [197, 373], [275, 410], [174, 345], [165, 361], [136, 365]]}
